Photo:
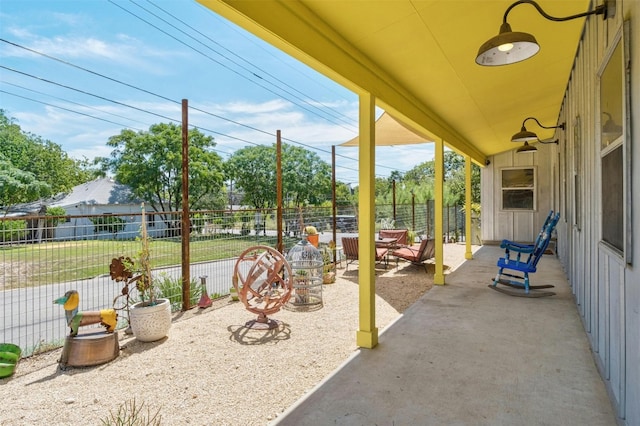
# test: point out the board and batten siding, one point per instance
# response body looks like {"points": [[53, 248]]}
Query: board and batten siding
{"points": [[598, 275], [523, 226], [605, 284]]}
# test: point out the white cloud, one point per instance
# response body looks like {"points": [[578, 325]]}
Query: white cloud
{"points": [[82, 136], [127, 52], [119, 50], [68, 19], [103, 38], [244, 107]]}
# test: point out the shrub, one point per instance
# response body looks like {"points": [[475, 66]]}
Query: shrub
{"points": [[171, 288], [55, 211], [12, 230], [131, 414], [110, 224], [387, 223]]}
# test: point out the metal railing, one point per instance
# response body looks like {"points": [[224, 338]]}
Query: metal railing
{"points": [[43, 257]]}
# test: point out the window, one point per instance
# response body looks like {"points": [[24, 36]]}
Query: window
{"points": [[612, 146], [612, 198], [519, 189], [611, 90], [577, 174], [151, 220]]}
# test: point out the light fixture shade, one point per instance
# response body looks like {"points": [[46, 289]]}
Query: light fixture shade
{"points": [[524, 135], [523, 47], [526, 148], [611, 128]]}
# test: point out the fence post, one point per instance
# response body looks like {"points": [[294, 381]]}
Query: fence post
{"points": [[393, 187], [413, 210], [186, 220]]}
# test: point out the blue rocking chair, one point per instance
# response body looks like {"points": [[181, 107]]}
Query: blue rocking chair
{"points": [[510, 243], [524, 258]]}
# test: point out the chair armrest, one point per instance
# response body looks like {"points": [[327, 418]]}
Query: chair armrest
{"points": [[518, 248], [510, 243]]}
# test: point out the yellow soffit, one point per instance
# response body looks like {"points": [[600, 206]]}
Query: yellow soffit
{"points": [[416, 57]]}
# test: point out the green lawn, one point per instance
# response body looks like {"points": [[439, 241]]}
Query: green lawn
{"points": [[36, 264]]}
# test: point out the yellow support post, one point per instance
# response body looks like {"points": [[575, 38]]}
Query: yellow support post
{"points": [[467, 207], [367, 334], [438, 277]]}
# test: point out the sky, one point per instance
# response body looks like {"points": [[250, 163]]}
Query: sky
{"points": [[78, 72]]}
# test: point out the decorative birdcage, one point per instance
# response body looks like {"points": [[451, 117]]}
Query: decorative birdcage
{"points": [[307, 268]]}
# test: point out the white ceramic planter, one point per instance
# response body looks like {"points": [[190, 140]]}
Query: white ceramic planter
{"points": [[150, 323]]}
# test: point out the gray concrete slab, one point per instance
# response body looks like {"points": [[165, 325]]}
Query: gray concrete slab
{"points": [[467, 355]]}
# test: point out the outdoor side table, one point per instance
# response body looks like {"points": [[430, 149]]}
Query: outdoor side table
{"points": [[388, 243]]}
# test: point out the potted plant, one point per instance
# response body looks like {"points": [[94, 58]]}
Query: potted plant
{"points": [[301, 280], [312, 235], [328, 267], [411, 237], [150, 317]]}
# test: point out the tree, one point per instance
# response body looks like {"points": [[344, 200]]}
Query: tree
{"points": [[453, 163], [306, 179], [383, 189], [253, 172], [45, 160], [395, 175], [151, 164], [457, 185], [17, 186], [344, 195], [419, 181], [422, 173], [93, 169]]}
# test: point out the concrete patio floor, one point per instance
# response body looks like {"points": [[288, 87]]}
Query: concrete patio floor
{"points": [[467, 355]]}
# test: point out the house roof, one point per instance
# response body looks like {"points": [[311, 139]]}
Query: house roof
{"points": [[102, 191], [417, 57]]}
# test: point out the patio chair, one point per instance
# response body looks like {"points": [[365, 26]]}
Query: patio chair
{"points": [[350, 246], [416, 254], [399, 234], [525, 262]]}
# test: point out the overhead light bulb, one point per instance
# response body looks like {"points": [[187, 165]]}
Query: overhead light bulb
{"points": [[509, 47]]}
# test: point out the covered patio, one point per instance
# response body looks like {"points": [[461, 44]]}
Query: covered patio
{"points": [[466, 355], [430, 65]]}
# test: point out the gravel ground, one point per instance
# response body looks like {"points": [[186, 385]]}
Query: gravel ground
{"points": [[211, 370]]}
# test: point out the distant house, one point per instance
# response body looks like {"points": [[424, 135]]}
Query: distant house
{"points": [[99, 196], [103, 209]]}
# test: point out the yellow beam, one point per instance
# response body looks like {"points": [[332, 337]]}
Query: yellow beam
{"points": [[367, 334], [467, 207], [438, 277]]}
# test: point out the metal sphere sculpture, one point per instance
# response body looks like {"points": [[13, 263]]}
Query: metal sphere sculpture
{"points": [[262, 279]]}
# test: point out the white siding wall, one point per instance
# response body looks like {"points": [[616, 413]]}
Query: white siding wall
{"points": [[606, 288], [631, 286], [82, 227], [498, 224]]}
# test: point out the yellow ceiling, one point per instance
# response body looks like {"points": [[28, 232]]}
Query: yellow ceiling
{"points": [[418, 58]]}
